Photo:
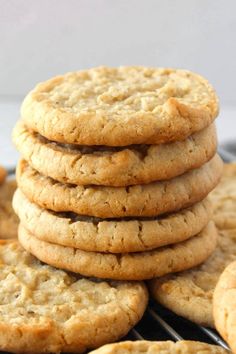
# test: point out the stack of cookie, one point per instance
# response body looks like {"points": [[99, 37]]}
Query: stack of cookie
{"points": [[117, 163]]}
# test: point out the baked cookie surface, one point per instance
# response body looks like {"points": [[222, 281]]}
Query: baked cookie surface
{"points": [[189, 294], [113, 166], [128, 266], [223, 199], [126, 105], [165, 347], [112, 235], [224, 305], [8, 219], [113, 202], [45, 310]]}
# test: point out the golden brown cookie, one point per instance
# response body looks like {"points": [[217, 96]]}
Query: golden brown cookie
{"points": [[113, 166], [223, 198], [45, 310], [111, 202], [3, 174], [112, 235], [190, 293], [124, 266], [224, 305], [121, 106], [8, 219], [165, 347]]}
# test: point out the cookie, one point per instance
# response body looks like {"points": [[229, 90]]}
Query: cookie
{"points": [[111, 202], [165, 347], [116, 235], [224, 198], [128, 266], [121, 106], [112, 166], [45, 310], [3, 174], [224, 305], [189, 294], [8, 219]]}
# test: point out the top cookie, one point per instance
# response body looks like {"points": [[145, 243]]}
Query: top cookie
{"points": [[121, 106]]}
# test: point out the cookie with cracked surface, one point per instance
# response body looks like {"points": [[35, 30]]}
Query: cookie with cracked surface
{"points": [[165, 347], [111, 202], [112, 235], [3, 174], [112, 166], [8, 219], [190, 293], [45, 310], [124, 266], [224, 305], [223, 198], [121, 106]]}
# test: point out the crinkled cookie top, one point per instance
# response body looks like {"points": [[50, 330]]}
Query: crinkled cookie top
{"points": [[134, 104]]}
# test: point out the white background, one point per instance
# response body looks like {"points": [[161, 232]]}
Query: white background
{"points": [[40, 39]]}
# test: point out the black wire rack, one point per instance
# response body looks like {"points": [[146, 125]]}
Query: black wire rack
{"points": [[159, 323]]}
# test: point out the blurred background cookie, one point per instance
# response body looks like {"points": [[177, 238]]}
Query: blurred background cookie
{"points": [[8, 219]]}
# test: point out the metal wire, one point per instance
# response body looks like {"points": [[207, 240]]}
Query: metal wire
{"points": [[171, 331], [214, 336], [136, 334]]}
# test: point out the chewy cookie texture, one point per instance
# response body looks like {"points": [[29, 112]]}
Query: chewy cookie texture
{"points": [[147, 200], [128, 266], [121, 106], [45, 310], [111, 235], [114, 166]]}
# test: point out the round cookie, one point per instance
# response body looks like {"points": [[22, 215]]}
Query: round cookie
{"points": [[45, 310], [3, 174], [224, 305], [190, 293], [121, 106], [165, 347], [124, 266], [84, 165], [8, 219], [223, 199], [111, 202], [112, 235]]}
